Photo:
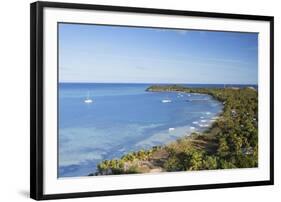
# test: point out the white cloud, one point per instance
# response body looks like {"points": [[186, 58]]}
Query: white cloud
{"points": [[181, 32], [178, 31]]}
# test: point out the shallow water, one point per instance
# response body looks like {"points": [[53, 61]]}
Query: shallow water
{"points": [[123, 118]]}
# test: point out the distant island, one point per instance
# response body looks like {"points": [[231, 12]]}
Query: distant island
{"points": [[230, 142]]}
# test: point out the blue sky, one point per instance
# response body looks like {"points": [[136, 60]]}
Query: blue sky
{"points": [[113, 54]]}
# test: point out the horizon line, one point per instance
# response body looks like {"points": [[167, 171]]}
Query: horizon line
{"points": [[90, 82]]}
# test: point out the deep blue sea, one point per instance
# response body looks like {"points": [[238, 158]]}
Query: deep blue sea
{"points": [[124, 118]]}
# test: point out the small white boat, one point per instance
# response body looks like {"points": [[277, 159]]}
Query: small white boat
{"points": [[180, 95], [171, 129], [166, 101], [88, 100], [204, 125]]}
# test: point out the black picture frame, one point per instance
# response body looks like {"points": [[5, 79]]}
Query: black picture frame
{"points": [[36, 98]]}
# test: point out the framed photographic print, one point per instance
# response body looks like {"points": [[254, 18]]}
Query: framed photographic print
{"points": [[131, 100]]}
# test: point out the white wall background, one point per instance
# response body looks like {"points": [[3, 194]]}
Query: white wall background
{"points": [[14, 100]]}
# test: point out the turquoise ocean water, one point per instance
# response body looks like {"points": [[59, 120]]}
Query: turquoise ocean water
{"points": [[123, 118]]}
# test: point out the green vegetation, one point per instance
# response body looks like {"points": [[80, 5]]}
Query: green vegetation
{"points": [[231, 141]]}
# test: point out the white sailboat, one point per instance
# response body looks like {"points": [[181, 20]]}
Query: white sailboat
{"points": [[167, 100], [88, 100]]}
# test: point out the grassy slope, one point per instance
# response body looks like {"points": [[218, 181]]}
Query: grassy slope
{"points": [[231, 141]]}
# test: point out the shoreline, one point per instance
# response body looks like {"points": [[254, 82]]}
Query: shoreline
{"points": [[208, 149]]}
